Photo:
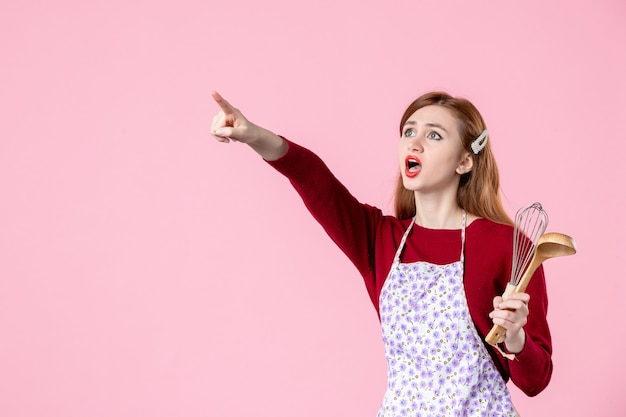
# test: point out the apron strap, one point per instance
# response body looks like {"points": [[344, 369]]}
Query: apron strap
{"points": [[396, 259], [463, 238]]}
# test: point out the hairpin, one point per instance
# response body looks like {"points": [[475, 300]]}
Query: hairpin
{"points": [[480, 142]]}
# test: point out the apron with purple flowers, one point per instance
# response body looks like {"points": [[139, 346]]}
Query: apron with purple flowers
{"points": [[437, 362]]}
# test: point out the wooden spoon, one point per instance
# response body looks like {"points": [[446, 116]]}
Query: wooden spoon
{"points": [[549, 245]]}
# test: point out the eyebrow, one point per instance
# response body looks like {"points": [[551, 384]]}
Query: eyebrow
{"points": [[413, 123]]}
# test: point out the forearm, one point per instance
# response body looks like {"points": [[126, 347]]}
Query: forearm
{"points": [[350, 224], [269, 145], [531, 370]]}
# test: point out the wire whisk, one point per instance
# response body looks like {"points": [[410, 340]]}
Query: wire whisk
{"points": [[530, 248], [530, 224]]}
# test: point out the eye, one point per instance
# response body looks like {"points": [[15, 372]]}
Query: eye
{"points": [[409, 133], [434, 135]]}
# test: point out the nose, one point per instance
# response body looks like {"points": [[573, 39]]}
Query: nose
{"points": [[414, 144]]}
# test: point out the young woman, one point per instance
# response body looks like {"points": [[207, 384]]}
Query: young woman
{"points": [[435, 269]]}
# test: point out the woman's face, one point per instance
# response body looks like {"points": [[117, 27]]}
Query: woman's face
{"points": [[432, 157]]}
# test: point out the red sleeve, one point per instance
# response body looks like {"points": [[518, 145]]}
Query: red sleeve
{"points": [[350, 224], [531, 369], [488, 271]]}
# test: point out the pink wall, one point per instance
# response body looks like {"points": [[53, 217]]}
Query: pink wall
{"points": [[147, 270]]}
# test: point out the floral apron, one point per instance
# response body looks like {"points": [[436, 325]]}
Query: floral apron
{"points": [[437, 362]]}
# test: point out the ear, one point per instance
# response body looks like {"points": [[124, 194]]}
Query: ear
{"points": [[466, 164]]}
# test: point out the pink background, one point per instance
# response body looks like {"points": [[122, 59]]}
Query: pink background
{"points": [[147, 270]]}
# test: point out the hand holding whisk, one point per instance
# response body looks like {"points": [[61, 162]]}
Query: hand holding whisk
{"points": [[530, 248]]}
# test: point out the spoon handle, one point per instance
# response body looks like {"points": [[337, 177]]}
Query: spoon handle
{"points": [[528, 274]]}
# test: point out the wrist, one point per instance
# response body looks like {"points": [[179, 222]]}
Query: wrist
{"points": [[515, 343], [269, 145]]}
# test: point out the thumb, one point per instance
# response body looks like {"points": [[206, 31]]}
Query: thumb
{"points": [[225, 132], [238, 134]]}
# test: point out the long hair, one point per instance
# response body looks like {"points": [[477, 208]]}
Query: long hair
{"points": [[479, 189]]}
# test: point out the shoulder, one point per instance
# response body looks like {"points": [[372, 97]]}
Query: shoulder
{"points": [[488, 235], [481, 226], [391, 226]]}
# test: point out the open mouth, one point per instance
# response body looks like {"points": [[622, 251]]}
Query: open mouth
{"points": [[412, 166]]}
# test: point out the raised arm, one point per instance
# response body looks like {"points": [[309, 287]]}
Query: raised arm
{"points": [[350, 224], [229, 124]]}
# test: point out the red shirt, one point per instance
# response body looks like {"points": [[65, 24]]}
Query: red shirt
{"points": [[370, 240]]}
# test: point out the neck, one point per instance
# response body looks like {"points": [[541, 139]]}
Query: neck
{"points": [[437, 213]]}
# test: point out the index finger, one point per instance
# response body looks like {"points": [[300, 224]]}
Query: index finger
{"points": [[221, 101], [522, 296]]}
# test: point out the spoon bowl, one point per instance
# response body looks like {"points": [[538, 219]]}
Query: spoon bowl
{"points": [[549, 245]]}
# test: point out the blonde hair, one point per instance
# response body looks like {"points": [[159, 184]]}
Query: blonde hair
{"points": [[479, 189]]}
